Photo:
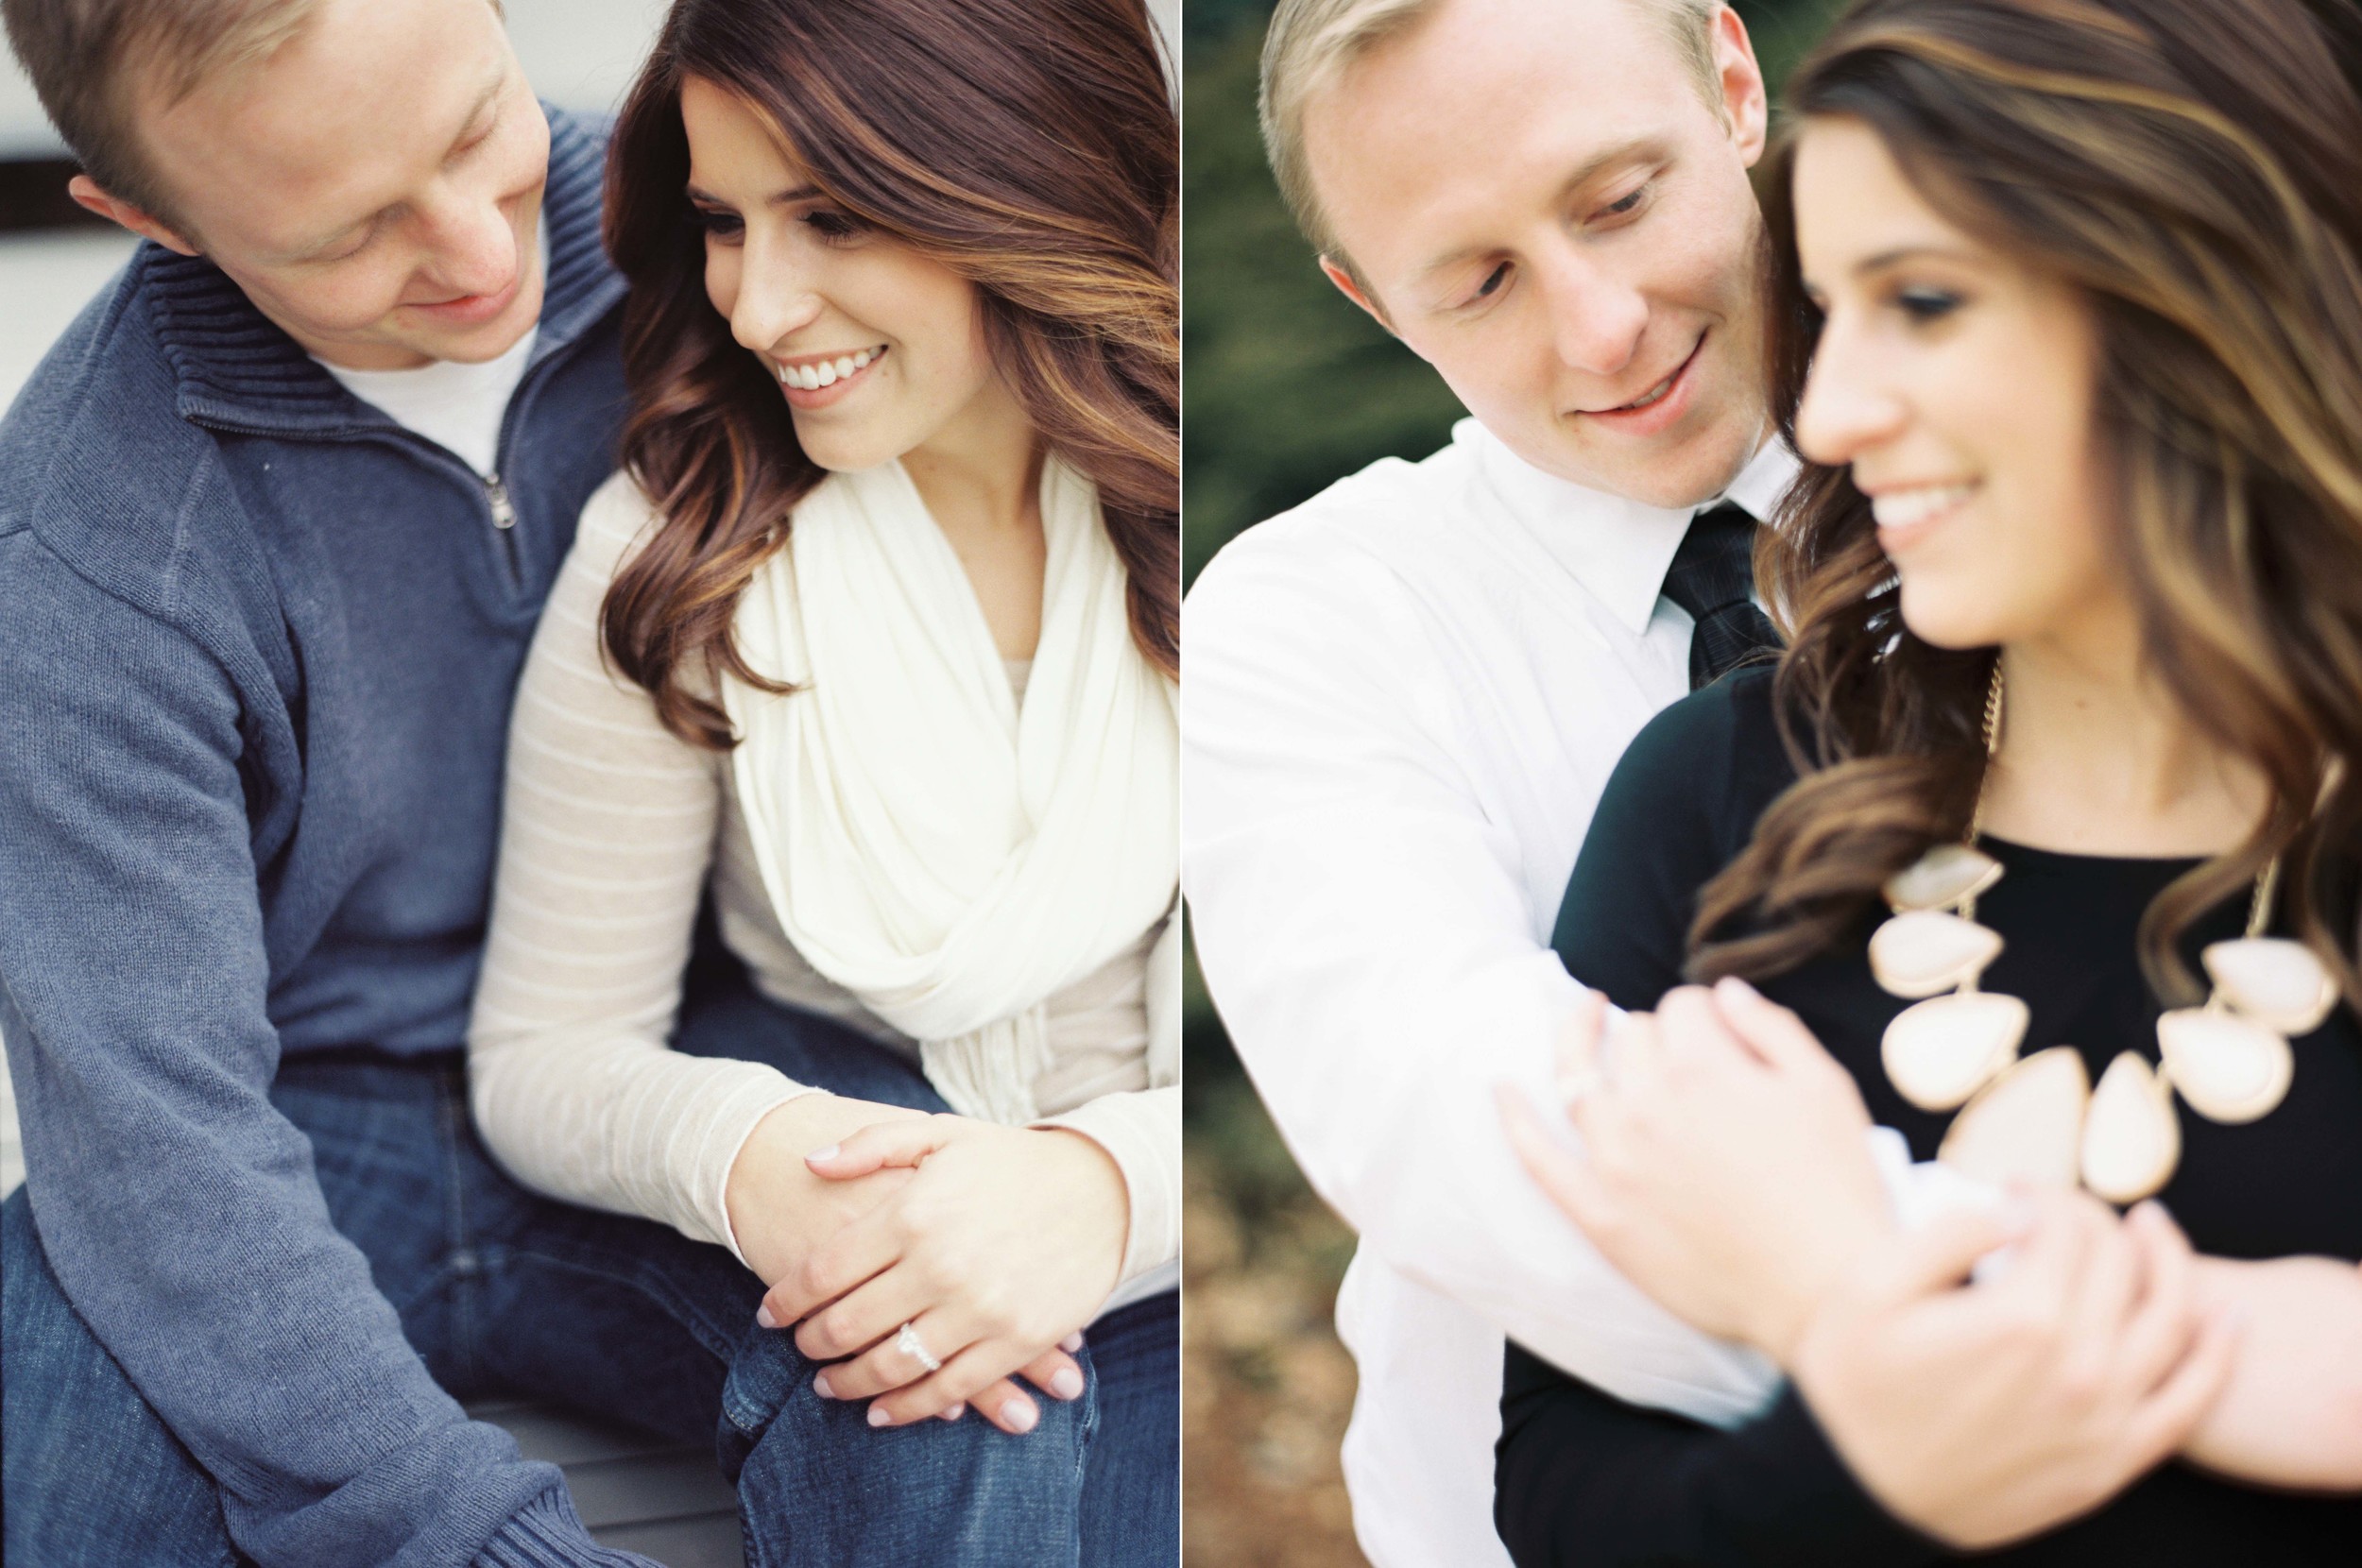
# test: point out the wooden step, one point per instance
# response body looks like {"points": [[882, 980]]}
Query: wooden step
{"points": [[665, 1500]]}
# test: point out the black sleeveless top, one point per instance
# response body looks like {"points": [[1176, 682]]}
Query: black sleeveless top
{"points": [[1584, 1478]]}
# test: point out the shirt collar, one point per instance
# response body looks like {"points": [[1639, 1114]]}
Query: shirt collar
{"points": [[1764, 483], [1617, 548]]}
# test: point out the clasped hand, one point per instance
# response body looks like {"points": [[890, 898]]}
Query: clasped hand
{"points": [[1727, 1175], [994, 1244], [1726, 1171]]}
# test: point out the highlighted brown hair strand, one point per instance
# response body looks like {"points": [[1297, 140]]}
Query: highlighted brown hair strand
{"points": [[2194, 168], [1029, 145]]}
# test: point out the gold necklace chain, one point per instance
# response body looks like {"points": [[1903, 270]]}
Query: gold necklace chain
{"points": [[2267, 880]]}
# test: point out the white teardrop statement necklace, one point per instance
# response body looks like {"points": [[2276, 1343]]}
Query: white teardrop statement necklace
{"points": [[2037, 1118]]}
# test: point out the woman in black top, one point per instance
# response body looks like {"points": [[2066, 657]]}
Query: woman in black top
{"points": [[2068, 322]]}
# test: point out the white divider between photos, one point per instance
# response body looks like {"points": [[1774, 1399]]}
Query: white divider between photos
{"points": [[12, 1144]]}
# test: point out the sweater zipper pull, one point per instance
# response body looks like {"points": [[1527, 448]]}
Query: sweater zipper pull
{"points": [[503, 513]]}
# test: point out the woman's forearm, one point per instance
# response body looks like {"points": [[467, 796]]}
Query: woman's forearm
{"points": [[607, 834], [1584, 1478], [1141, 1130], [2292, 1414], [586, 1119]]}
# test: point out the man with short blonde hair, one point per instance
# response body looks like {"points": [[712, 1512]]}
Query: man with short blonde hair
{"points": [[1405, 696], [1310, 41], [90, 60]]}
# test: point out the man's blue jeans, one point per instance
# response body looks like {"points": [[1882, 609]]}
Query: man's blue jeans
{"points": [[500, 1291]]}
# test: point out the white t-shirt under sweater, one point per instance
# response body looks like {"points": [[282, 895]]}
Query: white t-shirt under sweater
{"points": [[459, 407], [611, 827]]}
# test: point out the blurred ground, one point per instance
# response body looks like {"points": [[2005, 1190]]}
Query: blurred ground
{"points": [[1266, 1388]]}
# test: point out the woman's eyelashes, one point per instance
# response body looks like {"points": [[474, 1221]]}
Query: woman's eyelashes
{"points": [[826, 225], [1923, 305], [833, 226]]}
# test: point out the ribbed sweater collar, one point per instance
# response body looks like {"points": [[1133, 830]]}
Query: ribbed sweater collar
{"points": [[237, 367]]}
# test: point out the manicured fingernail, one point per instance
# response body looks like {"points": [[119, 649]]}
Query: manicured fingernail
{"points": [[1066, 1383], [878, 1416], [1731, 985], [954, 1413], [819, 1154], [1073, 1342], [820, 1386], [763, 1318], [1019, 1414]]}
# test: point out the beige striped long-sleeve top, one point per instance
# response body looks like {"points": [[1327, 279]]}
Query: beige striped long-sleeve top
{"points": [[613, 824]]}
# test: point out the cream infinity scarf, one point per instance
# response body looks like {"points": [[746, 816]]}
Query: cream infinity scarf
{"points": [[951, 859]]}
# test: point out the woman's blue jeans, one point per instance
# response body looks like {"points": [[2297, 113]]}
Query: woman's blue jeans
{"points": [[503, 1291]]}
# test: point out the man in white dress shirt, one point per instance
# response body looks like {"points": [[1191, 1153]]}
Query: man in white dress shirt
{"points": [[1405, 696]]}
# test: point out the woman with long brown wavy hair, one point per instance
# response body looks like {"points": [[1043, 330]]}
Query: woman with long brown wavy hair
{"points": [[2046, 827], [876, 633]]}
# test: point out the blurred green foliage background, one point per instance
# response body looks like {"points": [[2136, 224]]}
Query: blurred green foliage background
{"points": [[1286, 388]]}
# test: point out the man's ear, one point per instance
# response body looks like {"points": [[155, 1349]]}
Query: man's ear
{"points": [[1352, 290], [85, 191], [1746, 103]]}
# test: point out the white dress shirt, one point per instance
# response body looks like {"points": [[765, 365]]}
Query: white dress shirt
{"points": [[1402, 702]]}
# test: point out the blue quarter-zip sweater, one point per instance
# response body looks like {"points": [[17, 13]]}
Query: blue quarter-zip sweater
{"points": [[256, 649]]}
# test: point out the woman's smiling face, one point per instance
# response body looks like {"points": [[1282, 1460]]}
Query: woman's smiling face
{"points": [[1958, 386], [878, 350]]}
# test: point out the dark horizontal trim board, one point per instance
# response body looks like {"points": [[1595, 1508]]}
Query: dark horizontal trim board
{"points": [[32, 196]]}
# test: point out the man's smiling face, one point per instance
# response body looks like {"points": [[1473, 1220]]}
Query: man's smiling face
{"points": [[1540, 200], [374, 186]]}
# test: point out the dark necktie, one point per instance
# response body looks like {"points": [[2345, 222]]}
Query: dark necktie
{"points": [[1712, 575]]}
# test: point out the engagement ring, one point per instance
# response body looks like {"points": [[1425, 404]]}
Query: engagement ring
{"points": [[908, 1343]]}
